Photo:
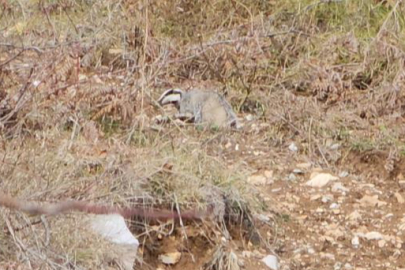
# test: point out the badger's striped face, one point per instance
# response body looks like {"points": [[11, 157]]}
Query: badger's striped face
{"points": [[171, 96]]}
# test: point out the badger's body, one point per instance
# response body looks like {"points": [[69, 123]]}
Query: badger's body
{"points": [[201, 107]]}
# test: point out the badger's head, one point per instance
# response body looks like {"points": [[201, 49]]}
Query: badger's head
{"points": [[171, 96]]}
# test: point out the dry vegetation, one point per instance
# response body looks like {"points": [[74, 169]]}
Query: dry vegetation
{"points": [[78, 84]]}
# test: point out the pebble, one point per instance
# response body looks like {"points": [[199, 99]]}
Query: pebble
{"points": [[298, 171], [271, 262], [293, 147], [291, 177], [355, 242], [343, 174]]}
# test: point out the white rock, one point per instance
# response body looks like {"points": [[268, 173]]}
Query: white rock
{"points": [[304, 165], [170, 258], [327, 198], [114, 229], [355, 242], [271, 261], [291, 177], [246, 254], [339, 187], [372, 236], [259, 180], [298, 171], [343, 174], [249, 117], [334, 146], [262, 217], [334, 206], [36, 83], [293, 147], [321, 180], [348, 266]]}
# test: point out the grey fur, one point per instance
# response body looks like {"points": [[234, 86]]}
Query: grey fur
{"points": [[201, 107]]}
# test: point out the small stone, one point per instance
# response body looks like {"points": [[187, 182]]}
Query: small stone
{"points": [[246, 254], [355, 242], [170, 258], [348, 266], [381, 243], [343, 174], [262, 217], [249, 117], [291, 177], [36, 83], [327, 198], [371, 201], [271, 261], [334, 146], [258, 180], [298, 171], [337, 266], [292, 147], [373, 236], [399, 197], [339, 187], [303, 165], [334, 206], [268, 174], [320, 180]]}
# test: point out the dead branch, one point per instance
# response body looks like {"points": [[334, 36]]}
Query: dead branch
{"points": [[33, 208]]}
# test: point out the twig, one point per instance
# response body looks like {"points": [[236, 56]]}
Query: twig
{"points": [[33, 48], [11, 59], [20, 101]]}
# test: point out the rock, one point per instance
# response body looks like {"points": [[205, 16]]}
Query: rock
{"points": [[170, 258], [298, 171], [292, 147], [327, 198], [348, 266], [399, 197], [320, 180], [334, 206], [268, 174], [262, 218], [291, 177], [355, 215], [334, 146], [339, 187], [114, 229], [343, 174], [371, 235], [249, 117], [247, 254], [259, 180], [303, 165], [356, 242], [271, 261], [371, 201]]}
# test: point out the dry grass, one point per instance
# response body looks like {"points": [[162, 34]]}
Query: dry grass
{"points": [[78, 81]]}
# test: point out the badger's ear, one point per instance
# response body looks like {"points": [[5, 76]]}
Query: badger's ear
{"points": [[171, 96]]}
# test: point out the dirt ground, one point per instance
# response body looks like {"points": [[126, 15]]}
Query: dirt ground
{"points": [[354, 222]]}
